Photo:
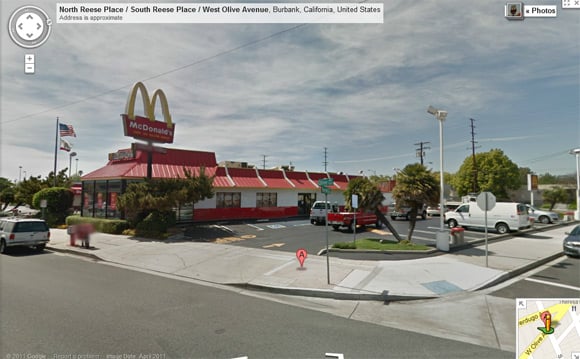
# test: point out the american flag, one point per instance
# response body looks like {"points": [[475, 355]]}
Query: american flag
{"points": [[66, 130]]}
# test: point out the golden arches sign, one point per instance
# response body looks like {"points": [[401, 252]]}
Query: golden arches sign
{"points": [[147, 128]]}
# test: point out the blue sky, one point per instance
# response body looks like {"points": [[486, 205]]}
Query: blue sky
{"points": [[361, 90]]}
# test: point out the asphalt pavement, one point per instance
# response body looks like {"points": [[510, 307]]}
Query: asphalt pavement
{"points": [[439, 275]]}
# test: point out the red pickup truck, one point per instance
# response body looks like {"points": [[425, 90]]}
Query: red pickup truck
{"points": [[346, 219]]}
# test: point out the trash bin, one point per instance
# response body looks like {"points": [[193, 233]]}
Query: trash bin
{"points": [[72, 231], [457, 235], [442, 238]]}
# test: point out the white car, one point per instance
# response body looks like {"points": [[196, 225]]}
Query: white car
{"points": [[23, 232], [545, 217]]}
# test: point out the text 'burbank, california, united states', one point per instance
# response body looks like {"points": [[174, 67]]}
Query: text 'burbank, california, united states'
{"points": [[232, 13]]}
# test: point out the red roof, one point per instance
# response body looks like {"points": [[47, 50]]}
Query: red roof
{"points": [[221, 179], [274, 179], [245, 177], [300, 180]]}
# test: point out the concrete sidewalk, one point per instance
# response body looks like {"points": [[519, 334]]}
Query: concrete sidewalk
{"points": [[277, 271]]}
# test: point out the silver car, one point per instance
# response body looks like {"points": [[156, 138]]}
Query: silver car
{"points": [[571, 243], [25, 232], [545, 217]]}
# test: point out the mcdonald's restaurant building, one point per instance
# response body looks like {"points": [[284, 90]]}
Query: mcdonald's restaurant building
{"points": [[240, 191]]}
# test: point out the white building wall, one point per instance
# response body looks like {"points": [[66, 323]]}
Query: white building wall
{"points": [[286, 198]]}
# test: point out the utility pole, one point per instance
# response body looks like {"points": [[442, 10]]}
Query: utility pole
{"points": [[325, 163], [264, 161], [473, 142], [419, 151]]}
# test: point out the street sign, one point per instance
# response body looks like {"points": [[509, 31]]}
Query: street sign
{"points": [[485, 201], [354, 201], [324, 189], [325, 182]]}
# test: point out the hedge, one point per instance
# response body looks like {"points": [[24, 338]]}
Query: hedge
{"points": [[111, 226]]}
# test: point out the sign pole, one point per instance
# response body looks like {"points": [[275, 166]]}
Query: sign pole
{"points": [[326, 232], [486, 230]]}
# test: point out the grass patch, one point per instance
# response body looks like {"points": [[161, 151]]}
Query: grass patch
{"points": [[374, 243]]}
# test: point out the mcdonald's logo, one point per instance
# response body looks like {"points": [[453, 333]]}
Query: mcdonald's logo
{"points": [[147, 128]]}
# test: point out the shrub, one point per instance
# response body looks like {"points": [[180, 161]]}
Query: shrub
{"points": [[111, 226], [155, 225]]}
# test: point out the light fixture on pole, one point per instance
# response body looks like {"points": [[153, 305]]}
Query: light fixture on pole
{"points": [[576, 152], [440, 115], [70, 156]]}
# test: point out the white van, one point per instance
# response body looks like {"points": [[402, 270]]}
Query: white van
{"points": [[504, 217], [318, 212]]}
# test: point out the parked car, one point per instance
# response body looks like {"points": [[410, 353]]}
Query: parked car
{"points": [[545, 217], [503, 217], [15, 232], [318, 212], [395, 212], [571, 242]]}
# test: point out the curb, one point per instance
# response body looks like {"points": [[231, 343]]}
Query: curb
{"points": [[72, 251], [329, 294], [516, 272]]}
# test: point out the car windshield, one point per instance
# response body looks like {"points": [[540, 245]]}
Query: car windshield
{"points": [[575, 231]]}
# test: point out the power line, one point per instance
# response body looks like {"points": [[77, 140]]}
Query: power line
{"points": [[473, 142]]}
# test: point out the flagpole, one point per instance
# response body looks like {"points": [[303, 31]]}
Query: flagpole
{"points": [[55, 150]]}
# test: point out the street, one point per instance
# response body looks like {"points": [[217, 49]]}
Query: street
{"points": [[55, 305]]}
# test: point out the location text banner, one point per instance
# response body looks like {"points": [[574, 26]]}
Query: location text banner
{"points": [[226, 13]]}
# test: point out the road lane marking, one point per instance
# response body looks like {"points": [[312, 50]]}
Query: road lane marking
{"points": [[553, 284], [277, 245]]}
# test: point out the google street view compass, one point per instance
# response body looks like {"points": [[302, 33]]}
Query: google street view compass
{"points": [[29, 26]]}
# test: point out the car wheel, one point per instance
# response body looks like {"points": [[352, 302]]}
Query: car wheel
{"points": [[40, 247], [544, 219], [335, 227], [424, 215], [312, 221], [393, 218], [502, 228], [2, 246], [351, 227], [452, 223], [379, 225], [407, 217]]}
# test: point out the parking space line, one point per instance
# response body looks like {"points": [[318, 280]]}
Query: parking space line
{"points": [[553, 284], [256, 227]]}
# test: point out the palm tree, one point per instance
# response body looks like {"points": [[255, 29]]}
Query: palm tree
{"points": [[370, 199], [416, 187]]}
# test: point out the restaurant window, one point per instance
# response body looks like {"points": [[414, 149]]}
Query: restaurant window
{"points": [[228, 199], [88, 198], [266, 199], [100, 206], [113, 193]]}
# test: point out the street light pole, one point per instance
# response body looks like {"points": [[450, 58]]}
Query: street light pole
{"points": [[577, 153], [70, 156], [19, 173], [77, 166], [440, 115]]}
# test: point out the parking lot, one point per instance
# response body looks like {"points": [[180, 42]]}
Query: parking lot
{"points": [[290, 235]]}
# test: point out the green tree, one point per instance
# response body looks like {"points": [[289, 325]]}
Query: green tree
{"points": [[58, 203], [555, 195], [25, 190], [370, 198], [6, 193], [416, 186], [496, 174], [156, 198], [547, 178]]}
